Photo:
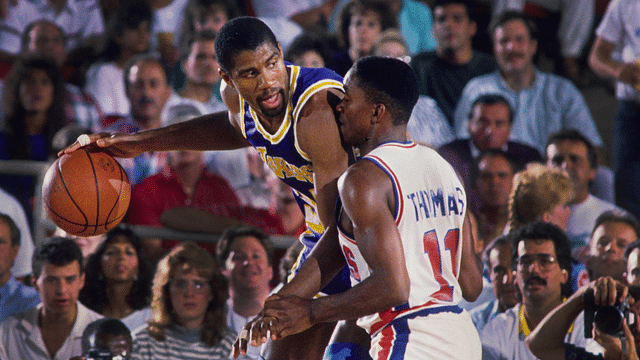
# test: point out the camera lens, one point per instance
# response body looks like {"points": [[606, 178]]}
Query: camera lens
{"points": [[608, 319]]}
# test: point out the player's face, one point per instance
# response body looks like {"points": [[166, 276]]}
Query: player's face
{"points": [[247, 266], [452, 27], [190, 295], [572, 156], [504, 287], [260, 77], [364, 28], [489, 126], [36, 91], [202, 64], [8, 253], [633, 267], [495, 178], [136, 40], [148, 90], [610, 239], [538, 273], [59, 287], [119, 261], [355, 113], [46, 39], [513, 47]]}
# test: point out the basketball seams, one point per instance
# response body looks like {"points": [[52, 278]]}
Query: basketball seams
{"points": [[66, 189], [97, 187]]}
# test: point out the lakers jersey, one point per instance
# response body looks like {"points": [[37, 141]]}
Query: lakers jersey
{"points": [[429, 213], [281, 152]]}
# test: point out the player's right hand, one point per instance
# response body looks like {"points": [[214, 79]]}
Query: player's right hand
{"points": [[118, 145]]}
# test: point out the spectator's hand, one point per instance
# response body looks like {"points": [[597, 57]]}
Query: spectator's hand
{"points": [[630, 74], [607, 291], [118, 145]]}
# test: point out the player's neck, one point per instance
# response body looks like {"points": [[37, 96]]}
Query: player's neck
{"points": [[391, 134]]}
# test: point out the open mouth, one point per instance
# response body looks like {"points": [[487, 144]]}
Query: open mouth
{"points": [[271, 101]]}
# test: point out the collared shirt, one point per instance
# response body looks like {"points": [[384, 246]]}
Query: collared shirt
{"points": [[550, 104], [21, 337], [80, 108], [16, 297], [583, 218], [482, 314], [79, 19]]}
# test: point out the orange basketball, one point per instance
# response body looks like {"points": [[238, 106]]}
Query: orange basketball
{"points": [[86, 193]]}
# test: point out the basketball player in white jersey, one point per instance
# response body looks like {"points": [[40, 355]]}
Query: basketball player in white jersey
{"points": [[401, 229]]}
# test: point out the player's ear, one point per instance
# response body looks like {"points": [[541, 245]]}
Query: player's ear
{"points": [[378, 110], [226, 78]]}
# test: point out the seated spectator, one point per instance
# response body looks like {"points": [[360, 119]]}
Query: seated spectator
{"points": [[571, 151], [106, 335], [53, 329], [168, 16], [497, 262], [15, 297], [492, 185], [309, 14], [127, 34], [632, 255], [490, 124], [189, 297], [147, 90], [361, 21], [245, 254], [88, 244], [21, 267], [542, 259], [81, 21], [612, 233], [287, 209], [118, 281], [443, 72], [427, 124], [546, 340], [308, 50], [542, 103]]}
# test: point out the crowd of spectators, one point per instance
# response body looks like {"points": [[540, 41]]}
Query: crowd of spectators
{"points": [[550, 215]]}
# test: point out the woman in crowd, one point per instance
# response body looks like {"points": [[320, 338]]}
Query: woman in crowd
{"points": [[128, 33], [118, 279], [189, 297]]}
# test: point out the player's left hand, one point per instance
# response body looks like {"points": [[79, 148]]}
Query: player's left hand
{"points": [[293, 315]]}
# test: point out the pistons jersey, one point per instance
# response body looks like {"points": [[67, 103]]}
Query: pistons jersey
{"points": [[429, 213], [281, 151]]}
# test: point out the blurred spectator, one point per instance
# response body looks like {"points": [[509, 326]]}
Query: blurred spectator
{"points": [[189, 297], [147, 89], [127, 34], [574, 30], [493, 183], [15, 297], [309, 14], [288, 261], [612, 233], [632, 254], [88, 244], [427, 124], [53, 329], [308, 50], [490, 124], [571, 151], [497, 262], [443, 72], [361, 21], [614, 55], [542, 103], [245, 255], [118, 280], [103, 335], [21, 267], [287, 209], [81, 21], [168, 16]]}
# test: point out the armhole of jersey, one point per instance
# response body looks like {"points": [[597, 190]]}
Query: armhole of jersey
{"points": [[311, 90], [242, 128], [397, 212]]}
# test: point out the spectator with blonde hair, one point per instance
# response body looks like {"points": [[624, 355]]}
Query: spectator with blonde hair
{"points": [[189, 296]]}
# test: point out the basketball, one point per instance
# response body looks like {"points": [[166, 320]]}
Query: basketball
{"points": [[86, 193]]}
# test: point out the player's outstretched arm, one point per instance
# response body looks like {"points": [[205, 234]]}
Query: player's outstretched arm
{"points": [[470, 276], [208, 132]]}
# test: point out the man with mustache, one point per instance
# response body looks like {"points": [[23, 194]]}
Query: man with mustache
{"points": [[542, 103], [541, 257]]}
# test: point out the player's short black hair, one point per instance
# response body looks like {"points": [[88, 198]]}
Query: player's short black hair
{"points": [[223, 248], [14, 232], [575, 135], [388, 81], [238, 35], [491, 99], [538, 230], [58, 251], [509, 16]]}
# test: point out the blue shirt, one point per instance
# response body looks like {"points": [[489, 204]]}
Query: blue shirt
{"points": [[16, 297]]}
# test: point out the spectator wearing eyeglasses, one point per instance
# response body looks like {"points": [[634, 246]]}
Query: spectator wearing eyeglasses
{"points": [[541, 257], [189, 296]]}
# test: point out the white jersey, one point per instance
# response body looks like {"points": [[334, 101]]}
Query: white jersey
{"points": [[430, 209]]}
